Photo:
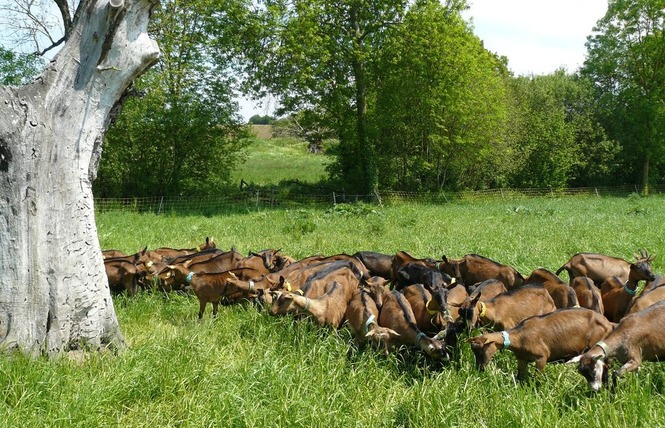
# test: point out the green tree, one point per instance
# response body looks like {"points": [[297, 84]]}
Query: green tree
{"points": [[440, 109], [559, 141], [317, 55], [18, 69], [626, 63], [183, 135]]}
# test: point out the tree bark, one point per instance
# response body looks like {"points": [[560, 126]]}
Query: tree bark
{"points": [[54, 294]]}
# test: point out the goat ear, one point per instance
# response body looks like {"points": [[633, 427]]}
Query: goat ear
{"points": [[187, 263], [233, 275], [597, 357], [487, 341], [444, 258], [476, 299], [277, 250], [144, 250]]}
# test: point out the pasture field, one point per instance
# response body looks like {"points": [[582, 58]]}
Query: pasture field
{"points": [[246, 368], [270, 161]]}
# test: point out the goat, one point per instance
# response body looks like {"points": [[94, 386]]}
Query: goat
{"points": [[318, 284], [377, 264], [482, 292], [507, 309], [208, 287], [122, 275], [646, 299], [430, 310], [588, 295], [599, 267], [170, 253], [402, 257], [362, 315], [473, 268], [563, 294], [415, 273], [651, 285], [328, 309], [638, 337], [561, 334], [617, 294], [457, 295], [396, 314]]}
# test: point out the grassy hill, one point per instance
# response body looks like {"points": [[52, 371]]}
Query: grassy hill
{"points": [[271, 160]]}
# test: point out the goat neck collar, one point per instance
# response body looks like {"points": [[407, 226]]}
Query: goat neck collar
{"points": [[483, 309], [628, 290], [308, 303], [430, 311], [369, 322], [189, 277], [419, 337], [506, 339], [606, 349], [251, 286]]}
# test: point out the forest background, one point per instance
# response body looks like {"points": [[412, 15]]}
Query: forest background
{"points": [[399, 95]]}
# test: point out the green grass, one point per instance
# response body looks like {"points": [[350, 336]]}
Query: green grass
{"points": [[249, 369], [273, 160]]}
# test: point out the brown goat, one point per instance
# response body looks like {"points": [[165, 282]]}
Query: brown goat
{"points": [[328, 309], [484, 292], [658, 281], [561, 334], [588, 295], [617, 294], [473, 268], [599, 267], [638, 337], [122, 275], [402, 258], [646, 299], [317, 285], [456, 296], [397, 315], [170, 253], [377, 264], [507, 309], [208, 287], [563, 294], [430, 310], [362, 314]]}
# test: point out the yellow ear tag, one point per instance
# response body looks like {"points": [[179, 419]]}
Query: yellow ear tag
{"points": [[487, 341], [198, 249], [171, 266], [287, 285], [148, 264], [299, 291], [453, 281]]}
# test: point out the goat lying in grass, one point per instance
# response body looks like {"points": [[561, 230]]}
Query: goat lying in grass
{"points": [[588, 295]]}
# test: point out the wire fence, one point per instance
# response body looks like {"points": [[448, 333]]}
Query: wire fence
{"points": [[265, 199]]}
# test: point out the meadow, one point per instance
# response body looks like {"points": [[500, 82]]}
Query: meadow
{"points": [[246, 368]]}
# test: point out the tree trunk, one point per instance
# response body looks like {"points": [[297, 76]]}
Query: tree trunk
{"points": [[645, 175], [54, 294]]}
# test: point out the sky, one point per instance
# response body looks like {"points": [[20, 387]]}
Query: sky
{"points": [[537, 36]]}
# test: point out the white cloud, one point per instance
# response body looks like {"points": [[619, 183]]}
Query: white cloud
{"points": [[537, 36]]}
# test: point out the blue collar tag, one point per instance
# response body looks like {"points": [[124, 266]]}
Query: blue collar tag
{"points": [[506, 339]]}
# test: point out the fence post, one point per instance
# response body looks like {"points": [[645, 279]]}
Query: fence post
{"points": [[334, 199], [597, 191], [161, 202]]}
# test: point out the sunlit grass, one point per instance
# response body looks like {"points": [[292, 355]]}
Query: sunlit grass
{"points": [[249, 369]]}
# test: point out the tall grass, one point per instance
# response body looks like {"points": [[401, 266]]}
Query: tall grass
{"points": [[249, 369]]}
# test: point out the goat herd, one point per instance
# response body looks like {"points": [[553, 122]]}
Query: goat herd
{"points": [[387, 300]]}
